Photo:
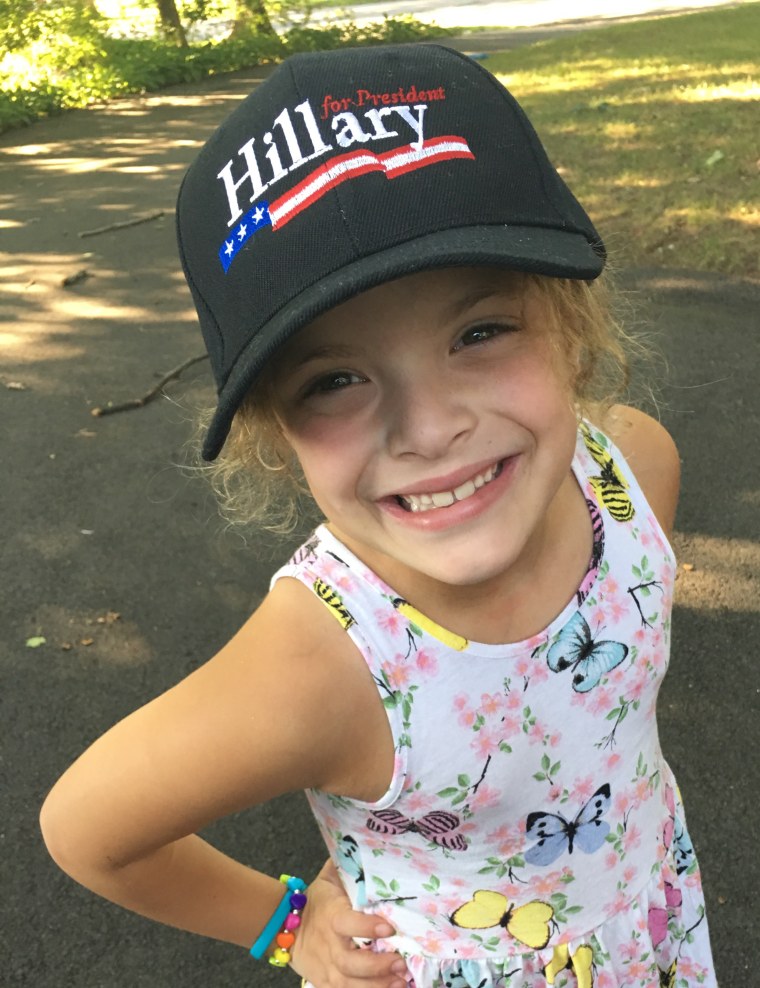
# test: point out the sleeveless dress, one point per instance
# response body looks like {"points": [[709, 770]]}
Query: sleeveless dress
{"points": [[532, 833]]}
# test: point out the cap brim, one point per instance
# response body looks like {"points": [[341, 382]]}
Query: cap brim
{"points": [[556, 253]]}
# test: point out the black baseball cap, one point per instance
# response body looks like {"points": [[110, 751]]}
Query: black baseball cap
{"points": [[349, 168]]}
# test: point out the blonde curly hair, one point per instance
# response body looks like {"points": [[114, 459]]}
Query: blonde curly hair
{"points": [[257, 478]]}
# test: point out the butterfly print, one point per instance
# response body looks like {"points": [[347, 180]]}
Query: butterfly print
{"points": [[590, 660], [556, 835], [597, 553], [528, 924], [437, 827], [349, 858], [610, 486], [657, 918]]}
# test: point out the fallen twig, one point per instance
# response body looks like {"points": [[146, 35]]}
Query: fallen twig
{"points": [[120, 226], [73, 279], [154, 392]]}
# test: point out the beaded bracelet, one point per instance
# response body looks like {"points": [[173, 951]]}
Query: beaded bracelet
{"points": [[285, 919]]}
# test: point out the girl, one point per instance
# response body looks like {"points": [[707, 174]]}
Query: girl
{"points": [[460, 666]]}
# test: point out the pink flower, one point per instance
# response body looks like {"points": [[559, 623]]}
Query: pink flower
{"points": [[602, 700], [632, 838], [467, 718], [417, 801], [629, 874], [540, 672], [398, 675], [629, 950], [485, 796], [426, 662], [612, 760], [486, 741], [640, 970], [490, 703], [604, 980], [611, 860], [622, 802], [389, 620], [523, 666], [511, 725], [536, 733], [514, 701], [642, 790], [583, 788], [461, 701]]}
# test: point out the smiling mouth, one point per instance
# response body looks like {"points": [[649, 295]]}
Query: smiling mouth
{"points": [[444, 499]]}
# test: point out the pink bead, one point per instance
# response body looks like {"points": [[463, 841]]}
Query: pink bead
{"points": [[292, 922]]}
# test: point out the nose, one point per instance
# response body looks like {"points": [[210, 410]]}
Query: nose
{"points": [[426, 414]]}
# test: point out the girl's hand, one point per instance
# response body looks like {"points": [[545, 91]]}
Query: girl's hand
{"points": [[325, 953]]}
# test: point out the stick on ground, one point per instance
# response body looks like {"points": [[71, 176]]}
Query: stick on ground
{"points": [[154, 392], [120, 226]]}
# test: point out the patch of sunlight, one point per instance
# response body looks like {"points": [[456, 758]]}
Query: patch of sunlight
{"points": [[725, 574], [80, 166], [10, 224], [737, 90], [620, 131], [662, 77], [638, 182], [711, 214], [85, 308], [140, 169], [752, 498]]}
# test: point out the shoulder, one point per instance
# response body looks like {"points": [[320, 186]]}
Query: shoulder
{"points": [[651, 454]]}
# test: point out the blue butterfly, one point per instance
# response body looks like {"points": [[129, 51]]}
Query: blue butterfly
{"points": [[349, 859], [556, 834], [590, 660], [467, 974], [683, 848]]}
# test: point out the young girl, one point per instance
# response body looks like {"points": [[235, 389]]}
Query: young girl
{"points": [[461, 665]]}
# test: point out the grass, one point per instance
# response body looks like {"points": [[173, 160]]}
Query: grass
{"points": [[654, 126]]}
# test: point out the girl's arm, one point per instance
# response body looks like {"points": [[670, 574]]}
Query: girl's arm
{"points": [[286, 705], [652, 455]]}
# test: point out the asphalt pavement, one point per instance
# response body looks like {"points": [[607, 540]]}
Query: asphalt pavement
{"points": [[115, 556]]}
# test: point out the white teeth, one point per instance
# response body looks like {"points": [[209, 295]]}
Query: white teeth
{"points": [[443, 499], [467, 489]]}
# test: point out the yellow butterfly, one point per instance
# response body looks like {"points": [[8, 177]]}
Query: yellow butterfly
{"points": [[332, 599], [668, 978], [610, 486], [529, 924], [580, 962]]}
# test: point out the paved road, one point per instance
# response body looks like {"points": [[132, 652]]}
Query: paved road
{"points": [[519, 13], [97, 521]]}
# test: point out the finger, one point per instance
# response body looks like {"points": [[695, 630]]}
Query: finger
{"points": [[368, 965], [349, 923]]}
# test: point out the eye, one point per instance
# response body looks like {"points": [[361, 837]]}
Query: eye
{"points": [[334, 381], [482, 333]]}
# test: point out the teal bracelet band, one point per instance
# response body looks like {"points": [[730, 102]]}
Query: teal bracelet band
{"points": [[272, 928]]}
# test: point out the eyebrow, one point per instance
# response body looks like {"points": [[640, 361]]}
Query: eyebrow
{"points": [[473, 298], [327, 351]]}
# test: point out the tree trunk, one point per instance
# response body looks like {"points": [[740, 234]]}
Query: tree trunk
{"points": [[170, 23], [251, 17]]}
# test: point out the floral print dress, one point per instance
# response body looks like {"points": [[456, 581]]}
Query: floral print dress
{"points": [[532, 833]]}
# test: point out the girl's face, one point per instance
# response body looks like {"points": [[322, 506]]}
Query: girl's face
{"points": [[432, 423]]}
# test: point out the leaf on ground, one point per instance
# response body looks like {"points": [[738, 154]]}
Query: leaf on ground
{"points": [[16, 386], [35, 641], [714, 158]]}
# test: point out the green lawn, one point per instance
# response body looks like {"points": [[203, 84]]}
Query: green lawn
{"points": [[655, 126]]}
